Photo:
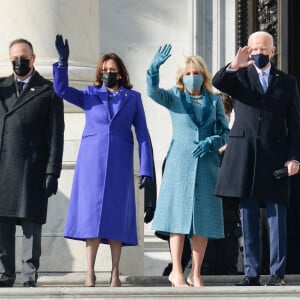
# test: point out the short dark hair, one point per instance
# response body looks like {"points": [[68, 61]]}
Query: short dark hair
{"points": [[18, 41]]}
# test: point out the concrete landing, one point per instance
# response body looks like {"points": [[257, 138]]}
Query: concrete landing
{"points": [[257, 293], [70, 286]]}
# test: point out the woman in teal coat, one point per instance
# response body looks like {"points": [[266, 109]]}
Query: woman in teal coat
{"points": [[186, 203]]}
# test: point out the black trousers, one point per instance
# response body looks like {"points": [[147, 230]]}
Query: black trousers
{"points": [[221, 257], [31, 249]]}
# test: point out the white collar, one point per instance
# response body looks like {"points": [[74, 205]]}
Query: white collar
{"points": [[266, 71], [26, 80]]}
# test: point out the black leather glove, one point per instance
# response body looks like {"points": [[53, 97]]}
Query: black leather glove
{"points": [[281, 173], [149, 214], [62, 49], [50, 185], [143, 181]]}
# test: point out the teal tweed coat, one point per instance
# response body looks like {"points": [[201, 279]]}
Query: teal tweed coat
{"points": [[186, 202]]}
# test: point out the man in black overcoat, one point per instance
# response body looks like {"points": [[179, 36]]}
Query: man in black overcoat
{"points": [[31, 147], [265, 136]]}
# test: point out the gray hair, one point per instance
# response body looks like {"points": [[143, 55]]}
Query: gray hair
{"points": [[261, 33]]}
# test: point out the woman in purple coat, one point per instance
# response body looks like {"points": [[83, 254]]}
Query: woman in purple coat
{"points": [[102, 203]]}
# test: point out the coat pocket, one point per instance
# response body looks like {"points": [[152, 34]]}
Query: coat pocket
{"points": [[237, 132]]}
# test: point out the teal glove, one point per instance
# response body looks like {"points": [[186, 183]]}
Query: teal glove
{"points": [[162, 54], [203, 147]]}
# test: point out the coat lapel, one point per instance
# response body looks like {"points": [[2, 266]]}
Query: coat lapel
{"points": [[28, 94], [124, 98], [253, 76], [274, 77], [34, 87], [189, 108], [207, 107], [103, 97]]}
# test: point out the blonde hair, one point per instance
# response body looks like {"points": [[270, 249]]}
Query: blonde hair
{"points": [[200, 66]]}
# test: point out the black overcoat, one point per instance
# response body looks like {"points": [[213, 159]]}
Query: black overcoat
{"points": [[31, 146], [265, 134]]}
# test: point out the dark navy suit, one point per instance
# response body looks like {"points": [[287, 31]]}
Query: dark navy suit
{"points": [[265, 134]]}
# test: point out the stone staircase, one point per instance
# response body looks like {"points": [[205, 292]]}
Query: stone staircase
{"points": [[70, 286]]}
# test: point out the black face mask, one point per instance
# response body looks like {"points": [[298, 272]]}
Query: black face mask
{"points": [[110, 79], [21, 66], [261, 60]]}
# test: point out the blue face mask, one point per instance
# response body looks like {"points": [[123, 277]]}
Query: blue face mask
{"points": [[193, 82], [261, 60]]}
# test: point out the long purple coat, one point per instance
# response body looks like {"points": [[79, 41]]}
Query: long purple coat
{"points": [[102, 203]]}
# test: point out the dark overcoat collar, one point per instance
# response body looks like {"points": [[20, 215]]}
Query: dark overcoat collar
{"points": [[254, 78], [35, 86]]}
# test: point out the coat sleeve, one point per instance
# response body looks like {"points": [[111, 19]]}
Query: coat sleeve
{"points": [[61, 86], [150, 190], [142, 135], [160, 96], [55, 136], [293, 123], [226, 81]]}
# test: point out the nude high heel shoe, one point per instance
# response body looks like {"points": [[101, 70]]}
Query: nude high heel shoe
{"points": [[92, 284]]}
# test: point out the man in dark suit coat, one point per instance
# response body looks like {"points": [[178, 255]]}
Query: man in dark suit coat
{"points": [[265, 136], [31, 147]]}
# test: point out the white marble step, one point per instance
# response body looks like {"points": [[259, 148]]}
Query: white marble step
{"points": [[210, 292], [70, 286]]}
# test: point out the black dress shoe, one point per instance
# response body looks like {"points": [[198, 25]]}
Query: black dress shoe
{"points": [[6, 283], [249, 281], [29, 283], [275, 281]]}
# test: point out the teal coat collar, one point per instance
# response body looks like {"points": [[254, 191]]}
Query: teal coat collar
{"points": [[207, 106]]}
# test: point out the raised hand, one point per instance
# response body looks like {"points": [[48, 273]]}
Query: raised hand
{"points": [[62, 49], [162, 54], [241, 59]]}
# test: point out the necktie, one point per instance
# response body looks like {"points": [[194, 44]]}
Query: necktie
{"points": [[20, 86], [263, 80]]}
